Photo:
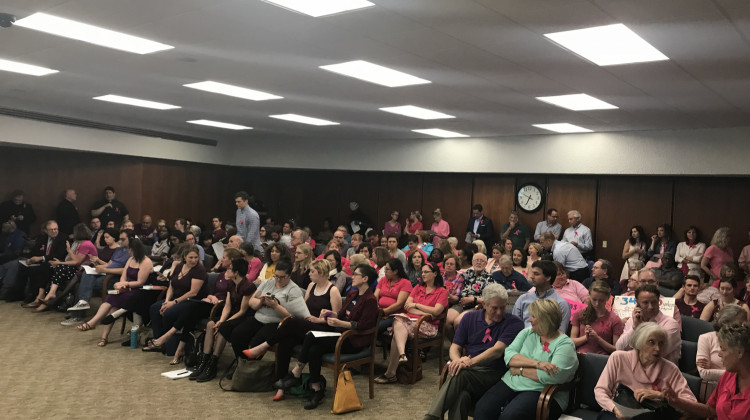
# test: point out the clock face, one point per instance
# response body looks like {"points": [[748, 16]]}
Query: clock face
{"points": [[529, 198]]}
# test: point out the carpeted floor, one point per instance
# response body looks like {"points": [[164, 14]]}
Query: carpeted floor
{"points": [[51, 371]]}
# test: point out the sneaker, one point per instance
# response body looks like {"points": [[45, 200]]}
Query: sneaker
{"points": [[72, 321], [80, 306]]}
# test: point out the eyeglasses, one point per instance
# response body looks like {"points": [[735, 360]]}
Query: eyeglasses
{"points": [[280, 277], [357, 274]]}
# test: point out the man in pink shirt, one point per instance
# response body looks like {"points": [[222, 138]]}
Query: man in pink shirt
{"points": [[647, 310]]}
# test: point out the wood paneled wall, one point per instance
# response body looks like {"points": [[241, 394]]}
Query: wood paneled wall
{"points": [[167, 189]]}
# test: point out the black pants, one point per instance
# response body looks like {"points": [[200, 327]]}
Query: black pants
{"points": [[39, 277], [289, 334], [188, 319], [580, 275], [246, 332], [504, 403], [313, 349]]}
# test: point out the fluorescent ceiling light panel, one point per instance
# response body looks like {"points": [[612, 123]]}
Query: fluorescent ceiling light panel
{"points": [[218, 124], [608, 45], [416, 112], [29, 69], [440, 133], [374, 73], [563, 128], [318, 8], [135, 102], [303, 119], [577, 102], [236, 91], [89, 33]]}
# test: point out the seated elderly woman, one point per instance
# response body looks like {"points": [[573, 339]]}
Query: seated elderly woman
{"points": [[475, 278], [200, 309], [276, 251], [596, 329], [321, 296], [539, 356], [454, 281], [185, 282], [81, 252], [508, 277], [427, 298], [708, 358], [359, 312], [643, 370], [275, 299], [137, 270], [729, 401]]}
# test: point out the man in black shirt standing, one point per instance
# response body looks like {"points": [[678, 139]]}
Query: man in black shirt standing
{"points": [[110, 209], [17, 210], [67, 213]]}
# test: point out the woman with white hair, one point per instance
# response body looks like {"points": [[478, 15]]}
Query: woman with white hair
{"points": [[539, 356], [644, 370]]}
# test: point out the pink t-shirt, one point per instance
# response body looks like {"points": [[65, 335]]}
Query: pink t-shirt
{"points": [[442, 228], [606, 327], [392, 229], [389, 292], [419, 295], [253, 269], [716, 258], [414, 227], [87, 248]]}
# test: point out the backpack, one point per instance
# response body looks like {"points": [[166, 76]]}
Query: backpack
{"points": [[194, 348]]}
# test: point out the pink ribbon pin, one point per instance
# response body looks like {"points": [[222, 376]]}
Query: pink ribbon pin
{"points": [[576, 234], [487, 336], [546, 347]]}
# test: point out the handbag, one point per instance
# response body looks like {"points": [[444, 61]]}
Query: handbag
{"points": [[250, 376], [405, 370], [658, 410], [194, 348], [345, 399]]}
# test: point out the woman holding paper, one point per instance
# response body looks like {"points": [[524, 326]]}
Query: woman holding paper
{"points": [[427, 298], [596, 329], [321, 297], [135, 275], [644, 370]]}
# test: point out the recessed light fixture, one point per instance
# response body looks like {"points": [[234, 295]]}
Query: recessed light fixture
{"points": [[89, 33], [374, 73], [577, 102], [230, 90], [218, 124], [440, 133], [608, 45], [23, 68], [416, 112], [563, 128], [318, 8], [135, 102], [303, 119]]}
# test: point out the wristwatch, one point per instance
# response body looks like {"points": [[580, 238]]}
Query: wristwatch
{"points": [[521, 372]]}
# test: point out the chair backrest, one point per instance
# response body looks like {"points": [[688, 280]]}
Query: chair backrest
{"points": [[687, 361], [666, 292], [211, 281], [692, 328], [694, 383], [592, 367], [209, 261]]}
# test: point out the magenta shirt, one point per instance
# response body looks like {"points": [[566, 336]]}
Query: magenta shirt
{"points": [[443, 228], [87, 248], [389, 293], [415, 227], [606, 327], [419, 295], [396, 230], [253, 269], [716, 258]]}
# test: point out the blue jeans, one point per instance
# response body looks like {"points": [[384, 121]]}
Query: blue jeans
{"points": [[91, 283], [8, 274]]}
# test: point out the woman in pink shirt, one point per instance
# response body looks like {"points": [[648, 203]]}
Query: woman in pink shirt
{"points": [[81, 252], [731, 398], [392, 226], [428, 298], [718, 254], [535, 254], [441, 228], [708, 358], [644, 370], [594, 328], [392, 291], [413, 223]]}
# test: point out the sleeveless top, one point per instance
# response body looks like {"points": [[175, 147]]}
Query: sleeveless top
{"points": [[317, 303]]}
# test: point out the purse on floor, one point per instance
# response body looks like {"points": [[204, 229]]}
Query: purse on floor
{"points": [[345, 399], [250, 376]]}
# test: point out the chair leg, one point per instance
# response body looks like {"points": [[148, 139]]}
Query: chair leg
{"points": [[372, 377], [124, 320], [440, 357]]}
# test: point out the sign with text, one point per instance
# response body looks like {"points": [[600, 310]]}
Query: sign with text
{"points": [[624, 305]]}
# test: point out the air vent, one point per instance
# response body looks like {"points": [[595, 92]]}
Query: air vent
{"points": [[101, 126]]}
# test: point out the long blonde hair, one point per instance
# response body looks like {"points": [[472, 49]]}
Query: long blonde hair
{"points": [[303, 265]]}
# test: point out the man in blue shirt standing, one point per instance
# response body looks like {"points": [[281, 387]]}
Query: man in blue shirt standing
{"points": [[248, 221], [543, 273]]}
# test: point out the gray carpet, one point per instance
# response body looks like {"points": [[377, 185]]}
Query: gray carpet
{"points": [[51, 371]]}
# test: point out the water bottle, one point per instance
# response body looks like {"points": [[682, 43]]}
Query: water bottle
{"points": [[134, 337]]}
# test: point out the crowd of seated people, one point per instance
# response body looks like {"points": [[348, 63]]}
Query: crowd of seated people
{"points": [[273, 283]]}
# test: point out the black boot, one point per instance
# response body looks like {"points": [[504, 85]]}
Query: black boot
{"points": [[315, 400], [209, 372], [202, 363]]}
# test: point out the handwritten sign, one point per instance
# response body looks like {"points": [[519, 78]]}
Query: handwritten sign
{"points": [[624, 305], [574, 306]]}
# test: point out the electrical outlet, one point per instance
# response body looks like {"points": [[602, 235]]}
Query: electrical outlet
{"points": [[604, 244]]}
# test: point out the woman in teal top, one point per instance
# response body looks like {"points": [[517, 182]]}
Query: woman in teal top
{"points": [[538, 356]]}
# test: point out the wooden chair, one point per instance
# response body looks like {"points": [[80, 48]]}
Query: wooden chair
{"points": [[418, 343], [337, 359]]}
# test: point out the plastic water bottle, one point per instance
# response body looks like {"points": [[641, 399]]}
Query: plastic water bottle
{"points": [[134, 337]]}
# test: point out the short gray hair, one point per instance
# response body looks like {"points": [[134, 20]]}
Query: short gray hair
{"points": [[453, 240], [736, 336], [505, 259], [575, 213], [494, 291], [727, 315], [196, 231], [644, 331]]}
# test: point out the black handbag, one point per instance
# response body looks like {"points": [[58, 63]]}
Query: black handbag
{"points": [[658, 410]]}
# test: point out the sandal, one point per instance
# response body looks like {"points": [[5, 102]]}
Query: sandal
{"points": [[33, 304], [402, 359], [85, 327], [176, 361], [102, 342], [382, 379], [152, 346]]}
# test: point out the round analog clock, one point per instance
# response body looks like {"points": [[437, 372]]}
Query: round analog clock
{"points": [[530, 197]]}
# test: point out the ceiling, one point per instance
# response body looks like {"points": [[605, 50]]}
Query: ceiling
{"points": [[487, 60]]}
